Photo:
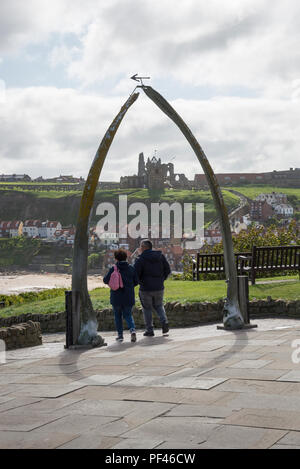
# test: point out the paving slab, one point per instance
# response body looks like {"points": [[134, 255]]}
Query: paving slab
{"points": [[291, 438], [254, 386], [14, 403], [264, 402], [251, 364], [50, 379], [293, 389], [265, 418], [199, 410], [46, 390], [293, 376], [171, 381], [134, 369], [100, 380], [13, 421], [29, 405], [4, 399], [13, 378], [118, 409], [284, 364], [138, 443], [178, 445], [285, 447], [246, 373], [165, 361], [197, 388], [179, 395], [184, 429], [135, 419], [231, 437], [33, 440], [7, 389], [78, 424], [91, 440], [46, 369]]}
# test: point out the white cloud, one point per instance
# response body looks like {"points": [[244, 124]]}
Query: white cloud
{"points": [[251, 44], [248, 44], [29, 22], [46, 131], [230, 47]]}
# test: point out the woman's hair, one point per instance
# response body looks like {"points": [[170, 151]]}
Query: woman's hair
{"points": [[120, 255]]}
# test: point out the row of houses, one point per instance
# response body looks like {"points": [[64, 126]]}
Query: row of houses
{"points": [[29, 228], [267, 205], [26, 178]]}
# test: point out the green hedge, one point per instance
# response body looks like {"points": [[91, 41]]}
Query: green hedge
{"points": [[27, 297]]}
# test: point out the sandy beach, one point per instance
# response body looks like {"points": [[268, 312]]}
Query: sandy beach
{"points": [[13, 284]]}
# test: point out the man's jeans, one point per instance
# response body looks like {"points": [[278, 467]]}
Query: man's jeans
{"points": [[126, 312], [149, 300]]}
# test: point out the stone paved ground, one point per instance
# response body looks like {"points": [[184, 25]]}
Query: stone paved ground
{"points": [[196, 388]]}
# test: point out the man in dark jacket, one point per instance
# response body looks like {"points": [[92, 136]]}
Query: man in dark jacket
{"points": [[152, 269]]}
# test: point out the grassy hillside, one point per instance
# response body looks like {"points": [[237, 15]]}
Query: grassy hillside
{"points": [[63, 206], [22, 203], [292, 193], [252, 190]]}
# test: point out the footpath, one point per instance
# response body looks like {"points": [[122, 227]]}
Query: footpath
{"points": [[196, 388]]}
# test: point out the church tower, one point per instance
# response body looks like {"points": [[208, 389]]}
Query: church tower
{"points": [[142, 168]]}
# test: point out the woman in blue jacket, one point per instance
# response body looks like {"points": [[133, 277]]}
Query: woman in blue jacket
{"points": [[123, 299]]}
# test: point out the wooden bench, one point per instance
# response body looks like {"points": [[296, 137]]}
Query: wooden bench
{"points": [[270, 259], [214, 263], [260, 259]]}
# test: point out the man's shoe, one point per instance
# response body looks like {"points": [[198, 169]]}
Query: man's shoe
{"points": [[133, 337], [148, 333], [165, 328], [120, 338]]}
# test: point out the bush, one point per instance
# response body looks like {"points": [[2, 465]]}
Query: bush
{"points": [[94, 261], [28, 297], [18, 251]]}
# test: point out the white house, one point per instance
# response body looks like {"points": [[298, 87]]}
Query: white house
{"points": [[66, 235], [43, 229], [31, 228], [10, 229], [15, 228], [51, 227], [274, 198], [284, 209]]}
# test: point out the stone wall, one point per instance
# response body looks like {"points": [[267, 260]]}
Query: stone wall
{"points": [[21, 335], [179, 315]]}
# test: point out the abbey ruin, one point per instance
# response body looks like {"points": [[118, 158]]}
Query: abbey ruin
{"points": [[155, 175]]}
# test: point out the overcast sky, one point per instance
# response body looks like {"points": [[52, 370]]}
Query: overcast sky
{"points": [[230, 68]]}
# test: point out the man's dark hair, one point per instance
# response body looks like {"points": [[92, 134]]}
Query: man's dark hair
{"points": [[120, 255], [147, 243]]}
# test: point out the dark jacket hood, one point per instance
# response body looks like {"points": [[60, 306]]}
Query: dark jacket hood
{"points": [[152, 256]]}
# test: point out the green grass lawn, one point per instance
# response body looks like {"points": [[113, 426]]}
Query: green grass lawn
{"points": [[253, 190], [176, 290]]}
